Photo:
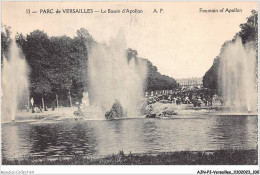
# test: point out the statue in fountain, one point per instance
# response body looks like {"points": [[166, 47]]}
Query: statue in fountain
{"points": [[115, 112]]}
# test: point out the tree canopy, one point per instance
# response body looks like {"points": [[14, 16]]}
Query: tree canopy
{"points": [[58, 65]]}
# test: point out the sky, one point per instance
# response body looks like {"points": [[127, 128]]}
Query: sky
{"points": [[181, 41]]}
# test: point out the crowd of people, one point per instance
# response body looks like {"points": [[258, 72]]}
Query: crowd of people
{"points": [[195, 97]]}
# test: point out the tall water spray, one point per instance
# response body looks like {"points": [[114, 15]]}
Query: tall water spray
{"points": [[238, 76], [15, 91], [114, 77]]}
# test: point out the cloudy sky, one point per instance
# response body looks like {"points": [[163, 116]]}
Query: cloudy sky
{"points": [[182, 41]]}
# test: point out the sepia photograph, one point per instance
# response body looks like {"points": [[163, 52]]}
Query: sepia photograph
{"points": [[129, 83]]}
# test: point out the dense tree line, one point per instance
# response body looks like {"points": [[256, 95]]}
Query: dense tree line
{"points": [[248, 34], [58, 66], [5, 42], [154, 80]]}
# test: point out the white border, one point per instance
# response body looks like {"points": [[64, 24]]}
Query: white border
{"points": [[129, 169]]}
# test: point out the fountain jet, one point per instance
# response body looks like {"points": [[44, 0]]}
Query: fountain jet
{"points": [[237, 76], [113, 76], [14, 83]]}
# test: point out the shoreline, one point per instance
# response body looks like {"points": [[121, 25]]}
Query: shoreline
{"points": [[215, 157], [161, 110]]}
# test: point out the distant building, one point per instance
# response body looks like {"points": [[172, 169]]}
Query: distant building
{"points": [[190, 82]]}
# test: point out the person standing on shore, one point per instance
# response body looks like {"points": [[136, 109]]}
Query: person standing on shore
{"points": [[32, 103]]}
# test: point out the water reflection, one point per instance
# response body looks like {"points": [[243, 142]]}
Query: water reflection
{"points": [[95, 138], [233, 131], [12, 142]]}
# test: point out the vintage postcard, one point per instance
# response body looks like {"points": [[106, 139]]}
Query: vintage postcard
{"points": [[129, 83]]}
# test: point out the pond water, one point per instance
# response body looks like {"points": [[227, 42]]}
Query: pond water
{"points": [[100, 137]]}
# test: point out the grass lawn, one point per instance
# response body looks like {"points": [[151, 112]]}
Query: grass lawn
{"points": [[218, 157]]}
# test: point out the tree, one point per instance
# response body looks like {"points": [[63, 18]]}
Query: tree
{"points": [[58, 65], [210, 79], [248, 31], [249, 34], [154, 80]]}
